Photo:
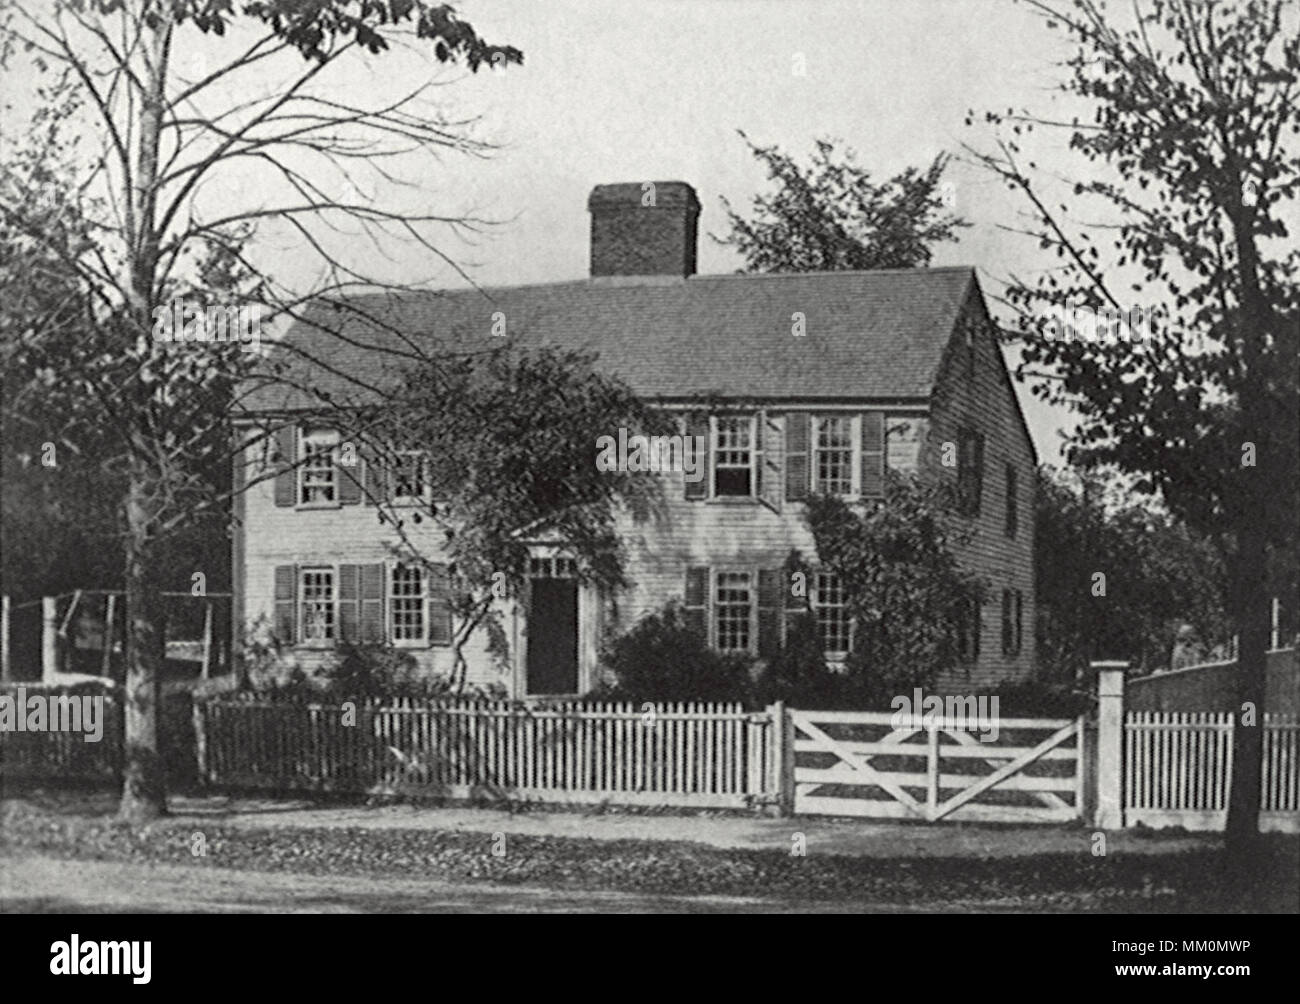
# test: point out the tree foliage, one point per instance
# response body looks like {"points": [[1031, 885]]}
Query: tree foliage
{"points": [[830, 215]]}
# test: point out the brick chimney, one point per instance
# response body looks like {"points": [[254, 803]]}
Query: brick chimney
{"points": [[643, 228]]}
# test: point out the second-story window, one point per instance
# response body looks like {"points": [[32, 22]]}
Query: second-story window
{"points": [[410, 475], [316, 474], [970, 471], [833, 455], [733, 453]]}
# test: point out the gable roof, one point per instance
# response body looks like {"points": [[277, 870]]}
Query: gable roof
{"points": [[876, 335]]}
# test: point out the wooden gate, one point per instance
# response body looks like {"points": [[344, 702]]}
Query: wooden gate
{"points": [[857, 763]]}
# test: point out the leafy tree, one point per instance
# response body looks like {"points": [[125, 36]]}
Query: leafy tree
{"points": [[176, 91], [905, 588], [1192, 173], [510, 439], [830, 215], [1159, 574]]}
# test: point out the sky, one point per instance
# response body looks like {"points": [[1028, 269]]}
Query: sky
{"points": [[620, 91]]}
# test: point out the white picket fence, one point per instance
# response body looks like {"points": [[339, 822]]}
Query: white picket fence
{"points": [[1178, 768], [697, 754]]}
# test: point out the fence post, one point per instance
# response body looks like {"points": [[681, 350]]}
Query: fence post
{"points": [[782, 757], [1110, 744], [200, 738], [49, 638]]}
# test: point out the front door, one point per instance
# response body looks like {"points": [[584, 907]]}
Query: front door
{"points": [[552, 629]]}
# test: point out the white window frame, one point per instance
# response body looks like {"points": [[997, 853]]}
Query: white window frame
{"points": [[713, 457], [327, 437], [751, 575], [831, 655], [855, 453], [301, 602], [390, 612], [426, 492]]}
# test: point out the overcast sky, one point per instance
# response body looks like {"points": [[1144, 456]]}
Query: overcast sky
{"points": [[622, 91]]}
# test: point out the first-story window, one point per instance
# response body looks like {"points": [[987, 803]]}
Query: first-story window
{"points": [[733, 455], [833, 454], [317, 613], [831, 603], [732, 611], [316, 473], [408, 591]]}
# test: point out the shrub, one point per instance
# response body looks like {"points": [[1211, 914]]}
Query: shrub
{"points": [[798, 674], [663, 659]]}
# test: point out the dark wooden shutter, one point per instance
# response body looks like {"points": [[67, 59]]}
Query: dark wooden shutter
{"points": [[1019, 601], [350, 603], [770, 611], [796, 456], [372, 604], [978, 473], [697, 600], [1013, 503], [348, 476], [439, 605], [771, 479], [873, 454], [286, 457], [697, 429], [286, 604], [977, 626]]}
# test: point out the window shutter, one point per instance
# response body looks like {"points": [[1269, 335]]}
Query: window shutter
{"points": [[286, 603], [348, 476], [349, 592], [697, 429], [1006, 622], [795, 606], [697, 600], [372, 603], [770, 611], [977, 626], [771, 482], [873, 455], [1019, 600], [377, 478], [978, 473], [796, 456], [439, 605], [286, 458]]}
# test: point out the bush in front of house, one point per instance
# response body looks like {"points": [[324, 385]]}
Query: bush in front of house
{"points": [[1039, 699], [663, 658], [798, 674]]}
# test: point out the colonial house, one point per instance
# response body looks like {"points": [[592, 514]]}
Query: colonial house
{"points": [[816, 383]]}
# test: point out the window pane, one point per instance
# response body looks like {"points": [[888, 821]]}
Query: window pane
{"points": [[732, 609], [318, 605], [407, 603], [733, 456], [833, 455], [831, 603], [317, 471]]}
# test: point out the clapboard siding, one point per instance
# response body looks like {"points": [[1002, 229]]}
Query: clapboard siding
{"points": [[723, 534], [985, 401]]}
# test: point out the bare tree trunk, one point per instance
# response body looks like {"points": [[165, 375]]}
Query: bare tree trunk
{"points": [[144, 794]]}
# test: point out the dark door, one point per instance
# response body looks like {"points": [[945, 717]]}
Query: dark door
{"points": [[553, 637]]}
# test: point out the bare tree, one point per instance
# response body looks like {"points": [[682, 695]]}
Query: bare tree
{"points": [[181, 93]]}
